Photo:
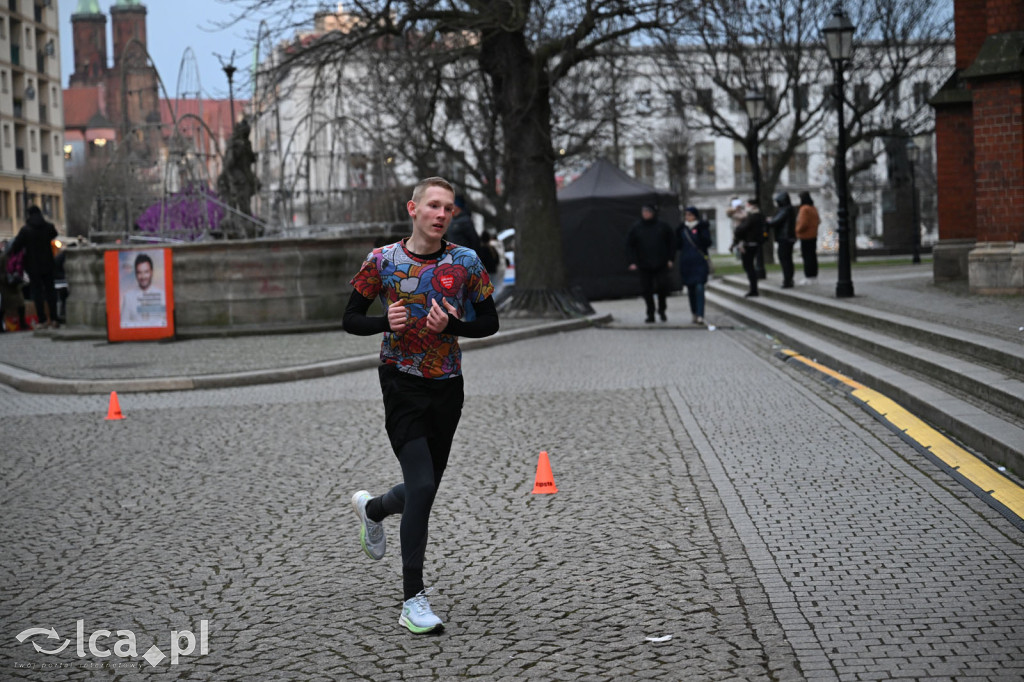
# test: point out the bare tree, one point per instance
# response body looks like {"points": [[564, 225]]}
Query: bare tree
{"points": [[735, 48], [522, 49]]}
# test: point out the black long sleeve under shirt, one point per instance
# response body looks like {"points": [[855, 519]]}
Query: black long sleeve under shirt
{"points": [[357, 322]]}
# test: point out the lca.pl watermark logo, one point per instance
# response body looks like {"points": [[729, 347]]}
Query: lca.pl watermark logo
{"points": [[99, 644]]}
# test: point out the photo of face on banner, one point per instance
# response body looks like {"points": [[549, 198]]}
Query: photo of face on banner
{"points": [[143, 302], [139, 293]]}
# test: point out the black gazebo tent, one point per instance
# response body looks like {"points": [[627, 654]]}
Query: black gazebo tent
{"points": [[596, 211]]}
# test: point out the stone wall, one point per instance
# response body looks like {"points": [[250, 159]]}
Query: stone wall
{"points": [[235, 286]]}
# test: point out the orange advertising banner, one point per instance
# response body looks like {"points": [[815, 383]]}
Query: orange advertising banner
{"points": [[140, 294]]}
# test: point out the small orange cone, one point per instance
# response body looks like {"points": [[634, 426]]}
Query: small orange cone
{"points": [[114, 411], [545, 480]]}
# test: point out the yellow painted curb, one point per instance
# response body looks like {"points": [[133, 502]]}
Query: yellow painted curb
{"points": [[967, 465]]}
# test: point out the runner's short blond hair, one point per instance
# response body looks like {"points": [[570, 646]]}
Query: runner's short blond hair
{"points": [[435, 181]]}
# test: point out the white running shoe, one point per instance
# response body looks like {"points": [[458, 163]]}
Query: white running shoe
{"points": [[417, 616], [371, 533]]}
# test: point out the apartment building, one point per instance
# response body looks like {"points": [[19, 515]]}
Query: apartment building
{"points": [[31, 113]]}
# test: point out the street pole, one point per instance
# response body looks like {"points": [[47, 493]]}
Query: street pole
{"points": [[838, 35], [229, 71], [844, 284]]}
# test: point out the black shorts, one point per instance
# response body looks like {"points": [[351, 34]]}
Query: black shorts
{"points": [[415, 407]]}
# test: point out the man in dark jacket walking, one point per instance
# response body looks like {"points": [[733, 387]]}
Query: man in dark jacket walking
{"points": [[651, 246], [35, 239], [783, 224]]}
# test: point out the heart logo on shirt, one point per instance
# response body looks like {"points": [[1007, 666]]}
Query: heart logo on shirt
{"points": [[447, 281]]}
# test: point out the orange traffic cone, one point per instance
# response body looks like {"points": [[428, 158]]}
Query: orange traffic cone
{"points": [[114, 411], [545, 481]]}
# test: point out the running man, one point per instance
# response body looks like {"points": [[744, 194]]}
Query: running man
{"points": [[427, 286]]}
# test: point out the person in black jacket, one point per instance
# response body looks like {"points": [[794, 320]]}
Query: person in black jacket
{"points": [[748, 237], [651, 246], [694, 239], [35, 239], [783, 224]]}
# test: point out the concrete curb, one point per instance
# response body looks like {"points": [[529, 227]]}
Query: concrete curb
{"points": [[31, 382]]}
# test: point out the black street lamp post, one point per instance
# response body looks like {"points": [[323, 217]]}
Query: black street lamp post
{"points": [[755, 104], [913, 154], [839, 44]]}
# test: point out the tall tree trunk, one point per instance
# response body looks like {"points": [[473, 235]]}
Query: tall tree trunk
{"points": [[522, 95]]}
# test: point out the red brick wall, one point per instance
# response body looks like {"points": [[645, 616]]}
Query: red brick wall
{"points": [[971, 29], [89, 38], [999, 157], [1005, 16], [128, 23], [954, 146]]}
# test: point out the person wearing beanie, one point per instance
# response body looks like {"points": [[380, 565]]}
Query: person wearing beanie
{"points": [[694, 240]]}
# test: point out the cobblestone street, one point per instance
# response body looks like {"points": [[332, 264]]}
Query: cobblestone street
{"points": [[707, 492]]}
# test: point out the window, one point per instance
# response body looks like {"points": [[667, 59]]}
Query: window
{"points": [[892, 98], [5, 204], [803, 97], [453, 108], [581, 105], [54, 100], [798, 166], [704, 98], [7, 135], [743, 171], [922, 91], [704, 165], [675, 101], [861, 95], [32, 140], [676, 155], [28, 38], [3, 81], [643, 163], [3, 30], [643, 102]]}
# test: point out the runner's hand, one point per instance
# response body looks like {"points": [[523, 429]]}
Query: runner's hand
{"points": [[437, 318], [398, 317]]}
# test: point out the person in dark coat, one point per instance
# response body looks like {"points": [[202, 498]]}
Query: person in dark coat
{"points": [[694, 240], [35, 239], [651, 247], [783, 225], [748, 237], [462, 231]]}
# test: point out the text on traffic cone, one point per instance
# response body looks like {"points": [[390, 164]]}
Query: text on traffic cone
{"points": [[114, 411], [545, 481]]}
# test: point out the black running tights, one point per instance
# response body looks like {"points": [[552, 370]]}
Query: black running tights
{"points": [[422, 468]]}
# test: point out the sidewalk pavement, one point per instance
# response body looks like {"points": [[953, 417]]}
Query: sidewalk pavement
{"points": [[43, 362]]}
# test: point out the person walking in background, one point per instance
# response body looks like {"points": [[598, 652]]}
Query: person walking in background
{"points": [[694, 239], [807, 221], [462, 231], [36, 240], [748, 237], [651, 245], [425, 285], [783, 225]]}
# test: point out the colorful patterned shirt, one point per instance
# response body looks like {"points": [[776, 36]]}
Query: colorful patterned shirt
{"points": [[393, 273]]}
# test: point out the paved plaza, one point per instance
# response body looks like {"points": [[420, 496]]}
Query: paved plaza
{"points": [[747, 516]]}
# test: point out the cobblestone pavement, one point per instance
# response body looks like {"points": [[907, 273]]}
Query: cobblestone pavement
{"points": [[706, 491]]}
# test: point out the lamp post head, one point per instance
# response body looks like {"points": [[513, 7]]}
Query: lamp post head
{"points": [[839, 35], [755, 104]]}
